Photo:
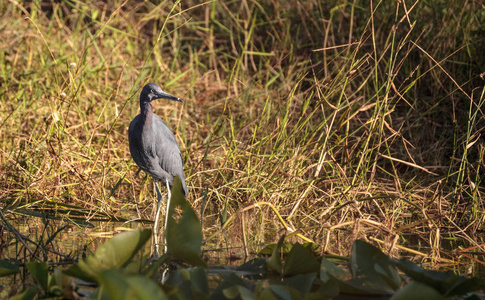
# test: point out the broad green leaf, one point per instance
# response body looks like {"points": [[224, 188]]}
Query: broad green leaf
{"points": [[145, 288], [55, 290], [388, 274], [255, 268], [300, 260], [187, 291], [434, 279], [268, 249], [7, 268], [178, 277], [118, 285], [363, 258], [313, 247], [445, 283], [154, 267], [113, 254], [113, 285], [274, 262], [301, 282], [60, 283], [198, 278], [329, 289], [78, 272], [461, 286], [191, 283], [369, 262], [232, 280], [267, 294], [184, 232], [286, 292], [31, 293], [40, 273], [417, 291], [238, 292], [329, 268], [361, 287]]}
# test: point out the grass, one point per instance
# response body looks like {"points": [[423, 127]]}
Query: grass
{"points": [[334, 120]]}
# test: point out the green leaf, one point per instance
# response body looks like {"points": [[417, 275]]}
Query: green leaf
{"points": [[154, 267], [301, 282], [268, 249], [313, 247], [254, 268], [232, 280], [78, 272], [145, 288], [40, 273], [60, 283], [274, 262], [184, 232], [286, 292], [329, 268], [189, 283], [369, 262], [267, 294], [445, 283], [360, 287], [112, 284], [434, 279], [238, 292], [113, 254], [198, 278], [417, 291], [7, 268], [31, 293], [300, 260], [328, 289], [118, 285], [461, 286]]}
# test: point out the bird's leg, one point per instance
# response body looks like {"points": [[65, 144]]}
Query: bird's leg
{"points": [[157, 218], [169, 196]]}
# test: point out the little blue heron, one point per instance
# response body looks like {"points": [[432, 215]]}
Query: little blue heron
{"points": [[154, 148]]}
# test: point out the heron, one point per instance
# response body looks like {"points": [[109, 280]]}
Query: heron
{"points": [[155, 149]]}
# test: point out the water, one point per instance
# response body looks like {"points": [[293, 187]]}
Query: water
{"points": [[63, 243]]}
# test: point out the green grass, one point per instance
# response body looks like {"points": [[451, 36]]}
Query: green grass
{"points": [[351, 120]]}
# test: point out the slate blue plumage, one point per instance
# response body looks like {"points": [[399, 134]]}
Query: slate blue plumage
{"points": [[154, 147]]}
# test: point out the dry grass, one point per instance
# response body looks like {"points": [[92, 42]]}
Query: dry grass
{"points": [[349, 120]]}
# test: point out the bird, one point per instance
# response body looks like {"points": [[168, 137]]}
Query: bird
{"points": [[155, 150]]}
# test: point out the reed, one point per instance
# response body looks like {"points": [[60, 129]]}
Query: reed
{"points": [[328, 115]]}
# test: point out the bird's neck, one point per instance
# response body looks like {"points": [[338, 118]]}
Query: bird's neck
{"points": [[146, 112]]}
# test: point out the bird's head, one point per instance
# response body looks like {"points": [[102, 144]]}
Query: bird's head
{"points": [[153, 91]]}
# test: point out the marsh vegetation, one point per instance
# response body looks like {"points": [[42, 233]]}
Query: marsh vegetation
{"points": [[324, 121]]}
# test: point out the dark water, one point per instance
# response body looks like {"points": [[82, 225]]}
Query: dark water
{"points": [[63, 243]]}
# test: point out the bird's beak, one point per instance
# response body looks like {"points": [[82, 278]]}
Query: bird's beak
{"points": [[164, 95]]}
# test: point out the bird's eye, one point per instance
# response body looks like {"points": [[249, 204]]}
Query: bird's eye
{"points": [[151, 91]]}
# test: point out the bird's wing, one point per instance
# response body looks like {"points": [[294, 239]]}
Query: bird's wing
{"points": [[167, 150]]}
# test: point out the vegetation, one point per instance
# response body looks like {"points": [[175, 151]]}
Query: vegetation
{"points": [[296, 274], [330, 121]]}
